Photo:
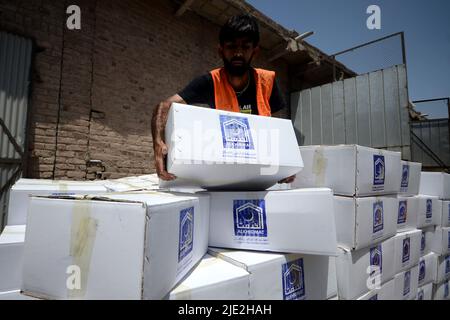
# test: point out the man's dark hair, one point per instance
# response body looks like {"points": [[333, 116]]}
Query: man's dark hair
{"points": [[241, 26]]}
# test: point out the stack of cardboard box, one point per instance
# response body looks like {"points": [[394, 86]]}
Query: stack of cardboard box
{"points": [[435, 212], [249, 229], [374, 262], [127, 241]]}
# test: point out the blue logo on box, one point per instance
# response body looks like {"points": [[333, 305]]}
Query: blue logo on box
{"points": [[250, 218], [293, 280], [405, 176], [378, 172], [236, 133], [406, 249], [422, 242], [376, 259], [407, 283], [402, 211], [429, 212], [447, 264], [186, 237], [449, 212], [420, 295], [377, 216], [448, 240], [422, 270]]}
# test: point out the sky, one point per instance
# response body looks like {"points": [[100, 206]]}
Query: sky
{"points": [[341, 24]]}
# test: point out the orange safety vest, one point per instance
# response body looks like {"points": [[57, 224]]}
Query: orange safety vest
{"points": [[225, 97]]}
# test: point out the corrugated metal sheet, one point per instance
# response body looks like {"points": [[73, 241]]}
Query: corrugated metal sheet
{"points": [[369, 110], [15, 62], [435, 134]]}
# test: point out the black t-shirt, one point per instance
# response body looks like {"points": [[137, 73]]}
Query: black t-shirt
{"points": [[201, 91]]}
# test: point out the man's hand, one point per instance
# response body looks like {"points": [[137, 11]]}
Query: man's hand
{"points": [[160, 150], [288, 179]]}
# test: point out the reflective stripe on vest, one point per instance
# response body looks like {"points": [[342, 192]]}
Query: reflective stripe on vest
{"points": [[225, 97]]}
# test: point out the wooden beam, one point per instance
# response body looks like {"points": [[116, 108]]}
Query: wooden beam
{"points": [[182, 9]]}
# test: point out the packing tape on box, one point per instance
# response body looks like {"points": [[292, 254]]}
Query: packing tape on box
{"points": [[83, 233], [320, 164]]}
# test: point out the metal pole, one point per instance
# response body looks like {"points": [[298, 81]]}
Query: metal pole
{"points": [[402, 35]]}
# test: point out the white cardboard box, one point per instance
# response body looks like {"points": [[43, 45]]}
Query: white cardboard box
{"points": [[425, 292], [18, 198], [441, 291], [429, 211], [363, 270], [294, 221], [115, 246], [410, 178], [213, 279], [441, 241], [427, 268], [362, 222], [426, 240], [406, 284], [350, 170], [443, 269], [445, 217], [216, 149], [384, 292], [407, 250], [284, 276], [435, 184], [11, 257], [407, 213]]}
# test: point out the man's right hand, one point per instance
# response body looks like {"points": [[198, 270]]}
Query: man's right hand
{"points": [[160, 149]]}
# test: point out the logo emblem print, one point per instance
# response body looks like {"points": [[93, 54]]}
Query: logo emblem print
{"points": [[236, 133], [421, 270], [407, 283], [250, 218], [405, 176], [293, 280], [376, 258], [429, 211], [420, 295], [422, 242], [406, 248], [377, 216], [378, 172], [402, 211], [447, 264], [186, 236]]}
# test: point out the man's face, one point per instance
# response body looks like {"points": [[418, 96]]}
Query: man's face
{"points": [[237, 55]]}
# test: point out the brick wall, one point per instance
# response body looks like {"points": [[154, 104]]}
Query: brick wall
{"points": [[94, 90]]}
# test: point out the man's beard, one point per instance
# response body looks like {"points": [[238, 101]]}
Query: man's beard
{"points": [[237, 71]]}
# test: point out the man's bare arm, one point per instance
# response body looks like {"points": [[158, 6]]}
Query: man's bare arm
{"points": [[159, 120]]}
